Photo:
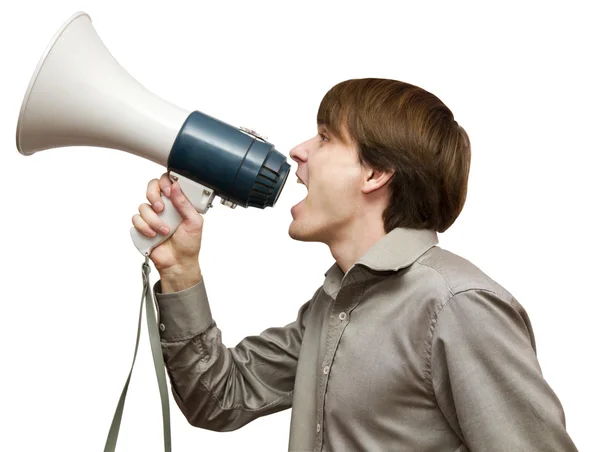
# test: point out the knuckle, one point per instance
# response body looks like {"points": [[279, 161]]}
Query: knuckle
{"points": [[153, 223], [138, 224], [152, 186], [164, 181], [142, 227]]}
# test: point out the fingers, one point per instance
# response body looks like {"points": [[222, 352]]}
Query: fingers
{"points": [[153, 195], [165, 184], [148, 222], [141, 226], [182, 204], [155, 187]]}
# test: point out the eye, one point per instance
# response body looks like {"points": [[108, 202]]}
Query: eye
{"points": [[323, 137]]}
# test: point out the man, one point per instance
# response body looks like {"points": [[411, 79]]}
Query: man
{"points": [[406, 346]]}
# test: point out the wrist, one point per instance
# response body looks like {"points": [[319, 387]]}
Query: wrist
{"points": [[178, 278]]}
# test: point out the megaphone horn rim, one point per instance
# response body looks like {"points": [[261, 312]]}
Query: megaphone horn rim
{"points": [[34, 77]]}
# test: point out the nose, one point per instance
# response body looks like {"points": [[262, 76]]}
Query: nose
{"points": [[300, 152]]}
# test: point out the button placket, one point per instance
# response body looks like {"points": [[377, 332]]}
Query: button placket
{"points": [[335, 329]]}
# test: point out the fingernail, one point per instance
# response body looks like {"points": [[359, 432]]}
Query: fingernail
{"points": [[167, 191], [164, 230], [158, 205]]}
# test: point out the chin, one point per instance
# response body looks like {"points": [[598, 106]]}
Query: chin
{"points": [[299, 232], [302, 233], [296, 232]]}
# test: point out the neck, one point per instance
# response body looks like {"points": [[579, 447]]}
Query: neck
{"points": [[350, 244]]}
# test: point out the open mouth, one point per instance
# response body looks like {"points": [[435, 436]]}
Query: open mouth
{"points": [[300, 181]]}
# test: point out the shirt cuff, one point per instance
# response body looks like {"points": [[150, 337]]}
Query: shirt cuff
{"points": [[183, 314]]}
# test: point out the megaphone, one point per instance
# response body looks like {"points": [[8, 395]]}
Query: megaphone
{"points": [[80, 95]]}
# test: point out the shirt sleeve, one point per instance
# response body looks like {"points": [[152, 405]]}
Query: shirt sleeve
{"points": [[487, 379], [220, 388]]}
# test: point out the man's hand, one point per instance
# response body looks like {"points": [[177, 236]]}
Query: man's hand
{"points": [[175, 259]]}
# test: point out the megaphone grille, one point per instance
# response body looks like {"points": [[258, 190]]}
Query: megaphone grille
{"points": [[268, 183]]}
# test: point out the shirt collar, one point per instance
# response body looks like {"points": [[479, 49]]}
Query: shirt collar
{"points": [[398, 249]]}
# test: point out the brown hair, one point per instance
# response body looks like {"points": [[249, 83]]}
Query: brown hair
{"points": [[399, 126]]}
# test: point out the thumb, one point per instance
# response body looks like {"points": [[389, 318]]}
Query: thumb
{"points": [[182, 204]]}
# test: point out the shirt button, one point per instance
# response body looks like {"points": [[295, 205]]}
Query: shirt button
{"points": [[162, 326], [342, 315], [318, 428], [326, 370]]}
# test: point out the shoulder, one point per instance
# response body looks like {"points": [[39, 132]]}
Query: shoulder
{"points": [[474, 308], [459, 274], [439, 276], [468, 288]]}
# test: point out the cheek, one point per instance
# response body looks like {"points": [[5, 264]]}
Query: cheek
{"points": [[339, 191], [334, 179], [347, 180]]}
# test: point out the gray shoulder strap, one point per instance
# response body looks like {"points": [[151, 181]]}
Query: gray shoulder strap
{"points": [[113, 434]]}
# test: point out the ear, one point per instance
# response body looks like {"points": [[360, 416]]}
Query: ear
{"points": [[375, 179]]}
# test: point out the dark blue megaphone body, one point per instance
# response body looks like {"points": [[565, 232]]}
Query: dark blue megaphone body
{"points": [[237, 163]]}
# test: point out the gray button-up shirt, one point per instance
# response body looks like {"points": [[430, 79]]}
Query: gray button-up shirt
{"points": [[413, 349]]}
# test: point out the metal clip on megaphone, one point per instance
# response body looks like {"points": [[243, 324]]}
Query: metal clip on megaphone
{"points": [[80, 95]]}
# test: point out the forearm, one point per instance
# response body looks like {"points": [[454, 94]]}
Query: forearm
{"points": [[222, 389], [215, 387]]}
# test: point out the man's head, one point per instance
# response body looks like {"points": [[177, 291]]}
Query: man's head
{"points": [[386, 154]]}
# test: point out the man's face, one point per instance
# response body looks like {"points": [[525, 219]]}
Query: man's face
{"points": [[332, 173]]}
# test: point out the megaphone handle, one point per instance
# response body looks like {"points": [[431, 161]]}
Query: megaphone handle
{"points": [[170, 216], [198, 195]]}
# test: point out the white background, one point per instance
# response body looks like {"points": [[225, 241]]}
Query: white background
{"points": [[521, 78]]}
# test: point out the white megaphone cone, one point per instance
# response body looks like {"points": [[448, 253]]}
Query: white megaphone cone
{"points": [[80, 95]]}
